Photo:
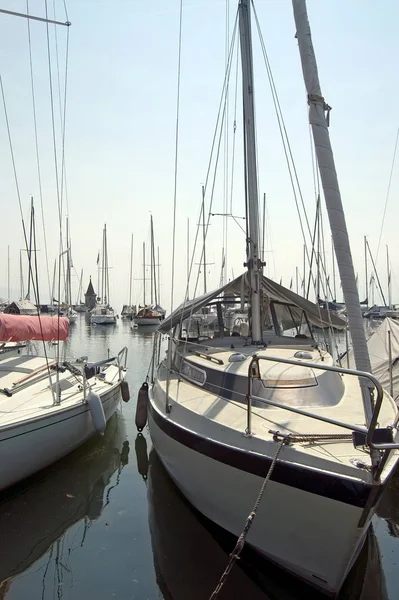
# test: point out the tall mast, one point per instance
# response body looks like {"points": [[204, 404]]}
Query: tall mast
{"points": [[325, 158], [143, 273], [365, 269], [21, 275], [151, 262], [159, 278], [30, 249], [154, 264], [53, 286], [333, 270], [79, 296], [203, 236], [188, 259], [8, 272], [263, 228], [131, 272], [106, 266], [254, 263], [389, 281]]}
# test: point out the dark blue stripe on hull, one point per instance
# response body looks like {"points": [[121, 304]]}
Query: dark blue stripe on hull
{"points": [[316, 482]]}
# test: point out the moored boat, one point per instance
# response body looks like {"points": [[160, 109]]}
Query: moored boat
{"points": [[227, 411], [47, 408]]}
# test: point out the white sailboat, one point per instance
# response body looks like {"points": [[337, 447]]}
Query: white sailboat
{"points": [[48, 409], [222, 410], [103, 313], [65, 309], [128, 310], [149, 315]]}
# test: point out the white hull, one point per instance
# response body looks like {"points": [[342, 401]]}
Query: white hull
{"points": [[28, 447], [103, 319], [312, 536]]}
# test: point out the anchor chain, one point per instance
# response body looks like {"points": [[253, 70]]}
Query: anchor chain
{"points": [[234, 556]]}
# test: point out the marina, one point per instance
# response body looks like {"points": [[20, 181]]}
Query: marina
{"points": [[199, 340]]}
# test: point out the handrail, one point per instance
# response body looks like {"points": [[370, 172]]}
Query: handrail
{"points": [[380, 394]]}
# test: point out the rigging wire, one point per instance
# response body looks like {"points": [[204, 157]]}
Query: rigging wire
{"points": [[387, 194], [39, 176], [295, 184], [223, 106], [286, 143], [34, 282], [176, 156], [214, 139]]}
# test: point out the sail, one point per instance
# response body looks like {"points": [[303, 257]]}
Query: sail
{"points": [[22, 328]]}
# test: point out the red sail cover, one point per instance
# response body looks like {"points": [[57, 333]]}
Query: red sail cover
{"points": [[21, 328]]}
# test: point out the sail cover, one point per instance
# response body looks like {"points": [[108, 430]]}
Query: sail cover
{"points": [[21, 328], [273, 291]]}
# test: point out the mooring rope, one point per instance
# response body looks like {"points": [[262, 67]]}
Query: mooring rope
{"points": [[241, 540]]}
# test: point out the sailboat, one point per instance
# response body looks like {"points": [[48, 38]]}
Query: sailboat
{"points": [[48, 409], [128, 310], [103, 313], [150, 315], [65, 309], [227, 411]]}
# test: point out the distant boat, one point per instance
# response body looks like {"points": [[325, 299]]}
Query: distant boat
{"points": [[147, 317], [128, 310], [103, 313], [150, 315]]}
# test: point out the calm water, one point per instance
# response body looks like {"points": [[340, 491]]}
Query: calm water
{"points": [[107, 523]]}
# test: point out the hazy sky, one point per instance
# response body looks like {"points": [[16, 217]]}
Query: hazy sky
{"points": [[120, 128]]}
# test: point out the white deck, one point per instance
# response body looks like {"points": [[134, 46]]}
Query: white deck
{"points": [[221, 419], [32, 397]]}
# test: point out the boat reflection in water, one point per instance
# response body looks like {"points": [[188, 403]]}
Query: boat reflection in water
{"points": [[35, 516], [191, 553]]}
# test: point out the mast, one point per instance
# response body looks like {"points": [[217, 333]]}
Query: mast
{"points": [[131, 272], [376, 277], [106, 277], [143, 273], [254, 264], [29, 250], [53, 286], [203, 237], [151, 262], [319, 125], [79, 296], [188, 259], [333, 270], [263, 227], [365, 269], [304, 271], [155, 272], [8, 273], [21, 275], [159, 278], [389, 282]]}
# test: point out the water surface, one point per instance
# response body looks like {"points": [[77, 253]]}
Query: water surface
{"points": [[107, 523]]}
